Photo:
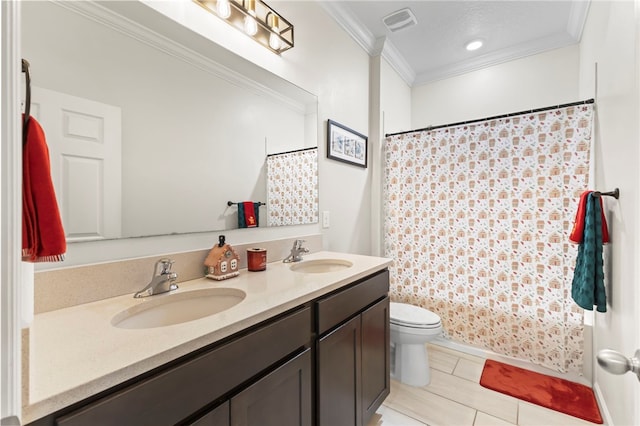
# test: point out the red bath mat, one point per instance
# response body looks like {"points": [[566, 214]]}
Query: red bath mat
{"points": [[551, 392]]}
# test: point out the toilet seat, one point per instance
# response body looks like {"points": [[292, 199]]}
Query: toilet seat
{"points": [[411, 316]]}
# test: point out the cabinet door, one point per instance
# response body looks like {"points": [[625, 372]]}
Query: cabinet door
{"points": [[219, 416], [338, 376], [375, 357], [281, 398]]}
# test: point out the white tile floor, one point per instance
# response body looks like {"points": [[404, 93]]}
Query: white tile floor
{"points": [[455, 397]]}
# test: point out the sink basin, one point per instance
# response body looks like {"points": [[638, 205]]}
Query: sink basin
{"points": [[168, 309], [320, 266]]}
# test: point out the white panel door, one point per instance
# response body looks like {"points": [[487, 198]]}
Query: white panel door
{"points": [[84, 139]]}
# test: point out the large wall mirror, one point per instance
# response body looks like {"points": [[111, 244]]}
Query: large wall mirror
{"points": [[154, 141]]}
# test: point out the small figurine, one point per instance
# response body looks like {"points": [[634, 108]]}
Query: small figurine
{"points": [[222, 262]]}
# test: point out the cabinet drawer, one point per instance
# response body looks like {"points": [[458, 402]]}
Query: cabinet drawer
{"points": [[334, 309], [172, 395]]}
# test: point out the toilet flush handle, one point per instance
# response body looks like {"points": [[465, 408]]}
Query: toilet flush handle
{"points": [[616, 363]]}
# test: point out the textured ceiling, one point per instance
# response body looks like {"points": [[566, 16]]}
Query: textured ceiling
{"points": [[435, 47]]}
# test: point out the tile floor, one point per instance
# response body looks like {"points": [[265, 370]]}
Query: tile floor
{"points": [[455, 397]]}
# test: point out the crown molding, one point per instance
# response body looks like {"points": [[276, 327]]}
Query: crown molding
{"points": [[578, 18], [393, 56], [365, 39], [137, 31], [351, 24]]}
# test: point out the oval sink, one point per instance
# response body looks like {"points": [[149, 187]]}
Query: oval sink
{"points": [[177, 308], [320, 266]]}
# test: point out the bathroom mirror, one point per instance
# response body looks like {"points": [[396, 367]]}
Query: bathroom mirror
{"points": [[190, 133]]}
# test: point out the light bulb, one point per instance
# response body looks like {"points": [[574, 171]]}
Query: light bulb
{"points": [[250, 25], [274, 39], [223, 8]]}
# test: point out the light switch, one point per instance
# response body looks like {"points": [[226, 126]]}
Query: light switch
{"points": [[326, 219]]}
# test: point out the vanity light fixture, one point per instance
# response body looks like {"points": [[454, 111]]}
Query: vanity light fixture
{"points": [[256, 19], [474, 45]]}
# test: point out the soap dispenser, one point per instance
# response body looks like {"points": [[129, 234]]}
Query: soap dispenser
{"points": [[222, 262]]}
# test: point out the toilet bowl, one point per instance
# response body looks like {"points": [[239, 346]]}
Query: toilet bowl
{"points": [[411, 328]]}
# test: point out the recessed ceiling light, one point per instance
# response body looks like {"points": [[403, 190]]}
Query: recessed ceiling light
{"points": [[474, 45]]}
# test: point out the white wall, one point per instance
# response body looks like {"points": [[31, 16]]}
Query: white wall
{"points": [[610, 39], [327, 62], [537, 81], [390, 111], [395, 100]]}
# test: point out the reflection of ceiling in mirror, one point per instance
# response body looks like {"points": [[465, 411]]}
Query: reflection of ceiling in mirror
{"points": [[191, 140]]}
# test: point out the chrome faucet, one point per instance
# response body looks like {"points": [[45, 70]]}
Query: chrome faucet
{"points": [[296, 252], [162, 281]]}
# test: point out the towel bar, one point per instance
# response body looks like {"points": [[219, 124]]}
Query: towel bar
{"points": [[615, 193], [231, 203], [27, 100]]}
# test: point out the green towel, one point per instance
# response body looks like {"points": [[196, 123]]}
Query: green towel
{"points": [[241, 221], [587, 288]]}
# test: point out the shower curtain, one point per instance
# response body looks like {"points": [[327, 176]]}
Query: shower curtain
{"points": [[292, 187], [477, 219]]}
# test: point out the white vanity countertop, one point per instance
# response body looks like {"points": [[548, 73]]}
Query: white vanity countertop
{"points": [[75, 352]]}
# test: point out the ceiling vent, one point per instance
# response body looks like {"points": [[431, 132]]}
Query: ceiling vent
{"points": [[399, 20]]}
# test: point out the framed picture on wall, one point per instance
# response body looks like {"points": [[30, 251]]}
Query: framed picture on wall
{"points": [[346, 145]]}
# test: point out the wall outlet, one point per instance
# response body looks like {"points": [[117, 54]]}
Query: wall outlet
{"points": [[326, 219]]}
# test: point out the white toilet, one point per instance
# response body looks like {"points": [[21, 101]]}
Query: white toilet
{"points": [[411, 328]]}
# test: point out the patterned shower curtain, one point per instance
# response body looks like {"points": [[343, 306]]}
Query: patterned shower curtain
{"points": [[477, 221], [292, 188]]}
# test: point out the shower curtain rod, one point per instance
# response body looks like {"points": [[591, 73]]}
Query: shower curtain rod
{"points": [[292, 151], [495, 117]]}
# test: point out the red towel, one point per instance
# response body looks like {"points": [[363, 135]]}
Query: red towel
{"points": [[578, 225], [43, 238], [249, 214]]}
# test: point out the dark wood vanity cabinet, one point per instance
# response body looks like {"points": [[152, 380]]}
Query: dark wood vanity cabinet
{"points": [[219, 416], [325, 363], [352, 364]]}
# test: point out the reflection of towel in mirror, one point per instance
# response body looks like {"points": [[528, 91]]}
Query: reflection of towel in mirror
{"points": [[587, 288], [43, 238], [248, 214]]}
